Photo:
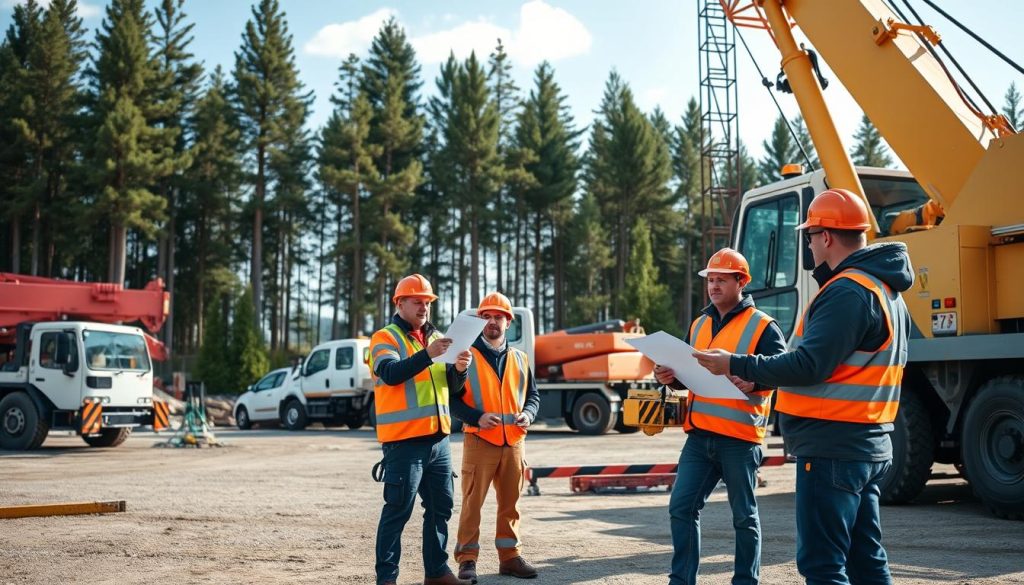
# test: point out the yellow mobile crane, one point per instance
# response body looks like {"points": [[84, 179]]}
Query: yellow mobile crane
{"points": [[959, 209]]}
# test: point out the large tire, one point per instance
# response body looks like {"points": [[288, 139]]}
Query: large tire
{"points": [[993, 446], [107, 438], [294, 416], [242, 418], [913, 451], [592, 414], [21, 426]]}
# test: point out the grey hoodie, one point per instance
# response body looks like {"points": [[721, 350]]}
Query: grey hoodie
{"points": [[843, 318]]}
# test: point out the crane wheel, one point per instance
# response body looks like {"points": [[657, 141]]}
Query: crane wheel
{"points": [[21, 426], [993, 446]]}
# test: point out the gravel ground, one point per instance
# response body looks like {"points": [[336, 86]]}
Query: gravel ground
{"points": [[280, 507]]}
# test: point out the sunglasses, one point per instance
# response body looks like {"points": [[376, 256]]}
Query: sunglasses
{"points": [[808, 234]]}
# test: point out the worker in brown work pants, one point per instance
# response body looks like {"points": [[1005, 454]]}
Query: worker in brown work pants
{"points": [[498, 401]]}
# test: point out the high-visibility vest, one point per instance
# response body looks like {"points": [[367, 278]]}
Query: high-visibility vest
{"points": [[746, 420], [506, 397], [417, 407], [865, 387]]}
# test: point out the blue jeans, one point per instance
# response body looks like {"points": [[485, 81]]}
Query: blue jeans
{"points": [[412, 467], [838, 528], [705, 459]]}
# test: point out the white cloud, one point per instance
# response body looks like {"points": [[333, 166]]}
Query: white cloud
{"points": [[543, 32], [480, 36], [84, 10], [355, 36], [546, 32]]}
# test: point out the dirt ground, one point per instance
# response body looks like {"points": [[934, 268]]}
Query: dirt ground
{"points": [[279, 507]]}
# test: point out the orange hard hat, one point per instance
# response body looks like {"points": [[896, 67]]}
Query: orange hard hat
{"points": [[496, 301], [414, 285], [729, 261], [837, 209]]}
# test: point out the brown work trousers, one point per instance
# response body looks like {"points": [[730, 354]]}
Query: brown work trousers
{"points": [[484, 463]]}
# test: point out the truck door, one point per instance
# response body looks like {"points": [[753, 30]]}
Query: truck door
{"points": [[345, 375], [265, 396], [316, 376], [54, 367], [773, 248]]}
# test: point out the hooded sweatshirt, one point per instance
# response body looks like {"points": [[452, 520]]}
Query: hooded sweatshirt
{"points": [[841, 319]]}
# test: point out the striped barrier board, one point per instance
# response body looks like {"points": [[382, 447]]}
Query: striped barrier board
{"points": [[535, 473]]}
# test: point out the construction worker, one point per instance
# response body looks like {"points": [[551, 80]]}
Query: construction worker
{"points": [[413, 423], [498, 402], [839, 390], [724, 436]]}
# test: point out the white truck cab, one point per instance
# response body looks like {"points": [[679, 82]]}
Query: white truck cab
{"points": [[332, 386], [94, 378]]}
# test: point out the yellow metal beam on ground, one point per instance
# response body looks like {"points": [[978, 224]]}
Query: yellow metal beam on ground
{"points": [[65, 509]]}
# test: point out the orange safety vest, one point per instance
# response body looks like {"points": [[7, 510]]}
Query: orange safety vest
{"points": [[484, 391], [865, 387], [746, 420], [417, 407]]}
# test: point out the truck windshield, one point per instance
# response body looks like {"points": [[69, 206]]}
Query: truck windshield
{"points": [[105, 350]]}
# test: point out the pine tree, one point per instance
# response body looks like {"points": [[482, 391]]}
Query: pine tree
{"points": [[347, 171], [215, 366], [15, 161], [803, 138], [472, 143], [507, 102], [391, 83], [686, 169], [128, 154], [247, 349], [779, 150], [211, 193], [870, 149], [266, 87], [646, 298], [628, 172], [175, 91], [547, 132], [590, 257], [1013, 109]]}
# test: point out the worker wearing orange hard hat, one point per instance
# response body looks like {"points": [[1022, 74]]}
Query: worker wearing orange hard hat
{"points": [[839, 389], [498, 402], [724, 436], [413, 423]]}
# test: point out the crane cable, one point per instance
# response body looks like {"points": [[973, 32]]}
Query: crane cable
{"points": [[991, 122], [767, 83]]}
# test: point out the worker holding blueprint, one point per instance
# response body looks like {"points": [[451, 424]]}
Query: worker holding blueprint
{"points": [[724, 434]]}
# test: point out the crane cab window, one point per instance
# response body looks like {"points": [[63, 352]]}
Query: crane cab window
{"points": [[770, 244], [890, 196]]}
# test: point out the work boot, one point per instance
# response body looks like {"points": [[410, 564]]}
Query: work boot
{"points": [[467, 570], [517, 567], [448, 579]]}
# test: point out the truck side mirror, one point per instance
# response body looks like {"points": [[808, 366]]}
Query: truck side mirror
{"points": [[63, 352], [66, 356]]}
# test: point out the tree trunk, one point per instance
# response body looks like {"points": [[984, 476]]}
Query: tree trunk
{"points": [[463, 292], [171, 269], [118, 238], [474, 257], [201, 276], [559, 277], [537, 272], [256, 275], [320, 274], [15, 245], [517, 266], [688, 285], [37, 221], [355, 301]]}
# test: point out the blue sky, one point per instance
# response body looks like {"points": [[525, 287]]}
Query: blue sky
{"points": [[651, 43]]}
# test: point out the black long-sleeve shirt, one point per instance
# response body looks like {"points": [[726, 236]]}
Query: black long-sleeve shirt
{"points": [[496, 359]]}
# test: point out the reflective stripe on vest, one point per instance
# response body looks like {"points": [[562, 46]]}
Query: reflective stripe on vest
{"points": [[505, 397], [416, 407], [746, 420], [865, 387]]}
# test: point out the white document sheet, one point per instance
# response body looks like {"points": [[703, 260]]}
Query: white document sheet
{"points": [[463, 332], [670, 351]]}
